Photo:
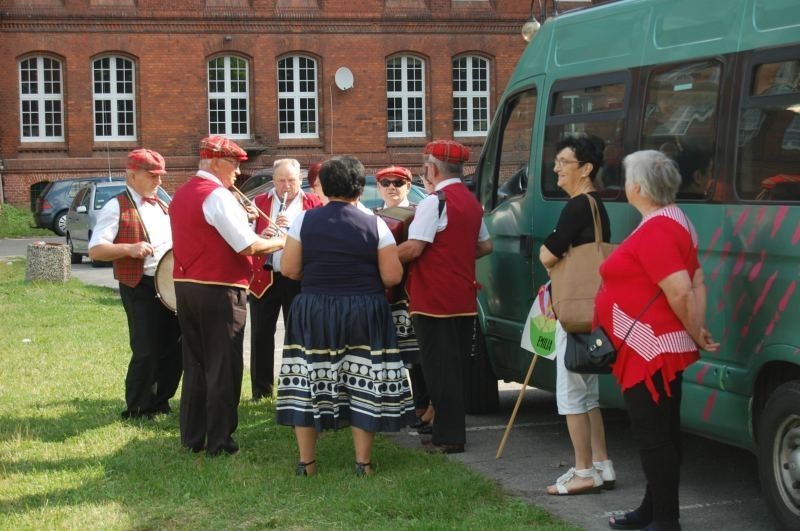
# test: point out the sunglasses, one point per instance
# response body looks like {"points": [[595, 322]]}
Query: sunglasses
{"points": [[396, 183]]}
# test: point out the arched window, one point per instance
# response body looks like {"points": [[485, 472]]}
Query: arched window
{"points": [[470, 96], [228, 97], [113, 95], [297, 97], [41, 100], [405, 97]]}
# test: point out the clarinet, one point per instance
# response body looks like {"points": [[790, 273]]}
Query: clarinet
{"points": [[268, 261]]}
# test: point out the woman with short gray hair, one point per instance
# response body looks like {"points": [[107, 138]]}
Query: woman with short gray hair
{"points": [[652, 304]]}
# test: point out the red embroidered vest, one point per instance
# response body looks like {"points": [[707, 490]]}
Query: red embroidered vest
{"points": [[261, 280], [129, 270], [441, 282], [201, 254]]}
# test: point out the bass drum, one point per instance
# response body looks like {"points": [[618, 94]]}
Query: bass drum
{"points": [[165, 282]]}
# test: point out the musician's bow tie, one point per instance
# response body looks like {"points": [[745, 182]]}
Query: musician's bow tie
{"points": [[151, 200]]}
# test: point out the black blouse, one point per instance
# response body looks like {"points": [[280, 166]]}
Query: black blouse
{"points": [[575, 225]]}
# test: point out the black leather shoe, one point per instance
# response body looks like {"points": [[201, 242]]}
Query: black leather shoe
{"points": [[231, 448], [443, 448]]}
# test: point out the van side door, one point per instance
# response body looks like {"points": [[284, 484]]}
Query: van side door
{"points": [[506, 275]]}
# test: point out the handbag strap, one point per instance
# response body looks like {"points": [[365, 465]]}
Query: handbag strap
{"points": [[598, 223], [640, 315]]}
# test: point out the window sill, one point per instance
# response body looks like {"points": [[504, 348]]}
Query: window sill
{"points": [[101, 146], [301, 142], [42, 147], [411, 141]]}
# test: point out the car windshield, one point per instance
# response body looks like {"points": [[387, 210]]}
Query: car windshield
{"points": [[103, 194]]}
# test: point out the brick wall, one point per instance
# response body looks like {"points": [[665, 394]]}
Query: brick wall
{"points": [[170, 51]]}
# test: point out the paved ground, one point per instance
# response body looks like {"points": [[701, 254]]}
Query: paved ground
{"points": [[719, 488]]}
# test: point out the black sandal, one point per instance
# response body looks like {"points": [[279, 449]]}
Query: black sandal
{"points": [[301, 468], [363, 469], [631, 520]]}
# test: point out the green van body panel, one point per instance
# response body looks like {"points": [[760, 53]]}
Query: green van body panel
{"points": [[749, 250]]}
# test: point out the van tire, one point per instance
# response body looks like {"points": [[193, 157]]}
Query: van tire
{"points": [[779, 454], [480, 383]]}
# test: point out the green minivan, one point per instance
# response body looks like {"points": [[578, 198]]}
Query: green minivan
{"points": [[717, 78]]}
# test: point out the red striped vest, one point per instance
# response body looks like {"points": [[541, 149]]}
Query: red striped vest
{"points": [[129, 270]]}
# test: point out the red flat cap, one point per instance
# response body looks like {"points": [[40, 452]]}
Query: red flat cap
{"points": [[146, 159], [313, 173], [448, 151], [219, 147], [394, 172]]}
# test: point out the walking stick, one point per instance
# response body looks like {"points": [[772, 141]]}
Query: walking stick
{"points": [[516, 407]]}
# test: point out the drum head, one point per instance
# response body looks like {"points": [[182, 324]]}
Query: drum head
{"points": [[165, 283]]}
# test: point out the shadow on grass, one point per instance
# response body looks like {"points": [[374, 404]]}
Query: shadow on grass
{"points": [[76, 417]]}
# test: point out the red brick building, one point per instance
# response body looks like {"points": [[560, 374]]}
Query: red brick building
{"points": [[88, 80]]}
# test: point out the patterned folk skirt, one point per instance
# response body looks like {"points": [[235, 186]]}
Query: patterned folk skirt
{"points": [[342, 366]]}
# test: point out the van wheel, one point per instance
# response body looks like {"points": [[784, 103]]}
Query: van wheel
{"points": [[480, 383], [74, 258], [779, 453]]}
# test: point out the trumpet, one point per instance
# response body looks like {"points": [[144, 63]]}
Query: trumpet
{"points": [[246, 202]]}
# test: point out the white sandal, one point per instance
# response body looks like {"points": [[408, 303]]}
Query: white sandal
{"points": [[560, 487]]}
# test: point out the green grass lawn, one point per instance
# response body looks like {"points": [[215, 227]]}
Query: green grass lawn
{"points": [[16, 223], [67, 461]]}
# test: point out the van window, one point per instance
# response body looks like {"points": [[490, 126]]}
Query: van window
{"points": [[768, 147], [596, 108], [509, 166], [680, 120]]}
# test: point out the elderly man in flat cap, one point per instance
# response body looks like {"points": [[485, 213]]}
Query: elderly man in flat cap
{"points": [[212, 245], [270, 292], [133, 232], [444, 240], [394, 183]]}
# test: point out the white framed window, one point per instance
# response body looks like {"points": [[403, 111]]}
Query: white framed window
{"points": [[470, 96], [228, 97], [405, 97], [297, 97], [41, 100], [113, 95]]}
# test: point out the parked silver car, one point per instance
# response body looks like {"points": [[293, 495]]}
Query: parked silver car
{"points": [[83, 212]]}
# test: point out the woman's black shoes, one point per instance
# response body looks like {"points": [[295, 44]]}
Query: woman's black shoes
{"points": [[302, 469], [363, 469], [631, 520]]}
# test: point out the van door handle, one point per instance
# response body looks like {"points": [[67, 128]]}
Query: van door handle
{"points": [[526, 245]]}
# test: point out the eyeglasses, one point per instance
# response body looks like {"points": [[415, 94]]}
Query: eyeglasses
{"points": [[564, 162], [232, 162], [396, 183]]}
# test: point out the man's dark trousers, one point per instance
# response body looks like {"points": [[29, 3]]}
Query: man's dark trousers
{"points": [[263, 322], [444, 342]]}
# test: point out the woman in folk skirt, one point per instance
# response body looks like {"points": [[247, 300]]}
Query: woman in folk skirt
{"points": [[341, 364]]}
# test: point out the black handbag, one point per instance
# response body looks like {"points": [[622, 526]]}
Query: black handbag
{"points": [[593, 353]]}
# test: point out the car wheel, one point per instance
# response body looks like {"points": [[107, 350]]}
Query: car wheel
{"points": [[74, 258], [480, 383], [779, 454], [60, 223]]}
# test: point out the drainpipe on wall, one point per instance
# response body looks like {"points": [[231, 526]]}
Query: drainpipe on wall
{"points": [[2, 192]]}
